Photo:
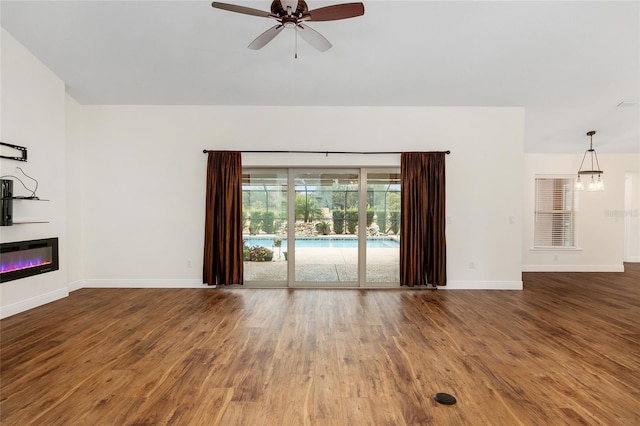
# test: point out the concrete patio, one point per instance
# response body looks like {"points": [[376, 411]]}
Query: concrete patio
{"points": [[327, 265]]}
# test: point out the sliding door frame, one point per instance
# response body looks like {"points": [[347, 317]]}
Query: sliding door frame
{"points": [[291, 281]]}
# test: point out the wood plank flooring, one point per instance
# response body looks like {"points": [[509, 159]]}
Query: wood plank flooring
{"points": [[565, 350]]}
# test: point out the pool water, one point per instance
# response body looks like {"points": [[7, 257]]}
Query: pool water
{"points": [[325, 242]]}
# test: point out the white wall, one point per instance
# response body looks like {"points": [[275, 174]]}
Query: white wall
{"points": [[143, 179], [126, 184], [33, 115], [600, 215], [75, 171], [632, 216]]}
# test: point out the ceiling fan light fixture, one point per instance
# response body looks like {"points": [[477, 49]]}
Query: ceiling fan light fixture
{"points": [[595, 173]]}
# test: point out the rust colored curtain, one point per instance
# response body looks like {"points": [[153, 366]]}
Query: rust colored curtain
{"points": [[223, 219], [423, 255]]}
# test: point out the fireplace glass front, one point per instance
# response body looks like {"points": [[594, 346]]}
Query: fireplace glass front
{"points": [[25, 258]]}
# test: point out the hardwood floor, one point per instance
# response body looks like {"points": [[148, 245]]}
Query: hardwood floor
{"points": [[565, 350]]}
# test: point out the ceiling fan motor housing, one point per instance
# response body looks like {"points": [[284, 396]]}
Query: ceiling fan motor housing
{"points": [[283, 8]]}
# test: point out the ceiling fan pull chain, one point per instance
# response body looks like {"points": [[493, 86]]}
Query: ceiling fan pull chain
{"points": [[296, 55]]}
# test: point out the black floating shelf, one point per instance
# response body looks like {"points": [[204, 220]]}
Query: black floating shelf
{"points": [[25, 198]]}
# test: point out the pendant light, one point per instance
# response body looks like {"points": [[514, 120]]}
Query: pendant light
{"points": [[594, 182]]}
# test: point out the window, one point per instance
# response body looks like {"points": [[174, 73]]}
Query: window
{"points": [[554, 213]]}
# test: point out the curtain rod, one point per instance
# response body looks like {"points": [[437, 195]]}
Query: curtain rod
{"points": [[205, 151]]}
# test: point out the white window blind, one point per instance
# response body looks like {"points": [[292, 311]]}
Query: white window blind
{"points": [[555, 213]]}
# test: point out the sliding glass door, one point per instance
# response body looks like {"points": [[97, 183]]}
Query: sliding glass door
{"points": [[326, 227], [264, 213], [383, 227], [337, 228]]}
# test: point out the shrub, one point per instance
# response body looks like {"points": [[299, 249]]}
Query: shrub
{"points": [[338, 221], [370, 214], [260, 254], [267, 222], [324, 228], [256, 221], [352, 220], [245, 251], [382, 220], [395, 221]]}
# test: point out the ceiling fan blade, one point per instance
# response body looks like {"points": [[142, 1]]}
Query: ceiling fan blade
{"points": [[265, 37], [313, 37], [241, 9], [335, 12]]}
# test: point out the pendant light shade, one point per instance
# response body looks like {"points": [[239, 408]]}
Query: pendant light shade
{"points": [[590, 175]]}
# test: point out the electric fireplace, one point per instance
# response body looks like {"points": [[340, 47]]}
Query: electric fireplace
{"points": [[26, 258]]}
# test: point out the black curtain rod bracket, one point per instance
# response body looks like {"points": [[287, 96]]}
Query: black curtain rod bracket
{"points": [[326, 153]]}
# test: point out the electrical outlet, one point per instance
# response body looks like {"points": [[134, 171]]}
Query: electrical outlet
{"points": [[189, 264], [472, 265]]}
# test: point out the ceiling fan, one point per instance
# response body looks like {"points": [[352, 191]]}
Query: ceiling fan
{"points": [[294, 14]]}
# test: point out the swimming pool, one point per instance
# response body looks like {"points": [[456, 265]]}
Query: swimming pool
{"points": [[325, 242]]}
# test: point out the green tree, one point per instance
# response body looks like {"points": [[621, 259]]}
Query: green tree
{"points": [[306, 208], [393, 201]]}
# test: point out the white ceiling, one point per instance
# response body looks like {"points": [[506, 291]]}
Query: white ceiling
{"points": [[568, 63]]}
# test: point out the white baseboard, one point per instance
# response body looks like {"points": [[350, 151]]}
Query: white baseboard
{"points": [[164, 283], [76, 285], [633, 259], [573, 268], [482, 285], [144, 283], [33, 302]]}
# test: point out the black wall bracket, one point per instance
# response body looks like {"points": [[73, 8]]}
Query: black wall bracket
{"points": [[21, 150]]}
